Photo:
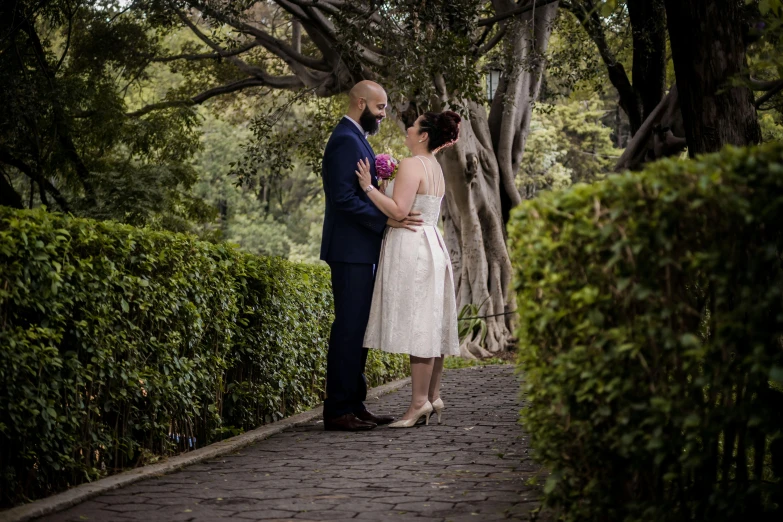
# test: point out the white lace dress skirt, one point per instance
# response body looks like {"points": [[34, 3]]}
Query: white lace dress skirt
{"points": [[414, 308]]}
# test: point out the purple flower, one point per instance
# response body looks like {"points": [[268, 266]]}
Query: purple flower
{"points": [[385, 166]]}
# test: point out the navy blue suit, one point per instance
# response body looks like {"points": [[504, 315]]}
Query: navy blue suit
{"points": [[351, 245]]}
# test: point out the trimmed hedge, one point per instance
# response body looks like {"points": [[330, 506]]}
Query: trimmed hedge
{"points": [[121, 344], [651, 327]]}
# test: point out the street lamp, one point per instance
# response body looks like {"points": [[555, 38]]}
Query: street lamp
{"points": [[493, 79]]}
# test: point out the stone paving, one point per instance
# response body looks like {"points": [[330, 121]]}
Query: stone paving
{"points": [[475, 466]]}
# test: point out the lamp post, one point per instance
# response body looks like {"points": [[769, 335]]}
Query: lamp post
{"points": [[493, 79]]}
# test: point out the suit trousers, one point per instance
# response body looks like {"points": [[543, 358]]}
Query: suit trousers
{"points": [[346, 385]]}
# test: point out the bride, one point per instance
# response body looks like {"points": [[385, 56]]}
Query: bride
{"points": [[413, 307]]}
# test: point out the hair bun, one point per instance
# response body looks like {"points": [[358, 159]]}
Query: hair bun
{"points": [[449, 121], [442, 127]]}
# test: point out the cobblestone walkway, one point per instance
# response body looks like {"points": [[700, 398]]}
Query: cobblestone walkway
{"points": [[473, 467]]}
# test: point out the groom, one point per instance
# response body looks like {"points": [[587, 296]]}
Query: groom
{"points": [[351, 245]]}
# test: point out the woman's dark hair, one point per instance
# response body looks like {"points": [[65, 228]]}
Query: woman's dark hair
{"points": [[442, 128]]}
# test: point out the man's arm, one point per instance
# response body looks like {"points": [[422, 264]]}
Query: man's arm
{"points": [[342, 187]]}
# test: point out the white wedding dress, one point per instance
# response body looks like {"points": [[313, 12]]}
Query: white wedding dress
{"points": [[414, 308]]}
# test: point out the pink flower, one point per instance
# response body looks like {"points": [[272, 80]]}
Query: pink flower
{"points": [[385, 166]]}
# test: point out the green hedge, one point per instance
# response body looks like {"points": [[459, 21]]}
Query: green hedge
{"points": [[120, 344], [651, 320]]}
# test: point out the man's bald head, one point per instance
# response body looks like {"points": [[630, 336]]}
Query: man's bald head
{"points": [[367, 105], [366, 89]]}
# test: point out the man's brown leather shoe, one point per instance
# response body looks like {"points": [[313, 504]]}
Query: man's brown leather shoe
{"points": [[347, 422], [380, 420]]}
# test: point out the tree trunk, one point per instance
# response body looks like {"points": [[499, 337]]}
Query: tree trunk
{"points": [[588, 15], [475, 231], [659, 136], [8, 196], [480, 175], [708, 53], [648, 26], [511, 112]]}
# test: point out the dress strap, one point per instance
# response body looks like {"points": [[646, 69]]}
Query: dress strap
{"points": [[434, 179], [426, 173]]}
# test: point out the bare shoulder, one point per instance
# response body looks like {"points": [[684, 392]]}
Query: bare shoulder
{"points": [[413, 160], [411, 166]]}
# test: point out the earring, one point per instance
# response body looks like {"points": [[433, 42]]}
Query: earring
{"points": [[420, 141]]}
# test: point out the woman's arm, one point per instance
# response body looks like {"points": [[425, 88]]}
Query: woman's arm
{"points": [[406, 185]]}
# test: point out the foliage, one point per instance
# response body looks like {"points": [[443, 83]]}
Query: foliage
{"points": [[286, 130], [651, 319], [470, 322], [428, 38], [67, 142], [765, 57], [766, 38], [573, 61], [270, 181], [567, 144], [292, 135], [771, 124], [121, 342]]}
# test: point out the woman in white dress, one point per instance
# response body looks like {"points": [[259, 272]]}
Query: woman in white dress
{"points": [[414, 307]]}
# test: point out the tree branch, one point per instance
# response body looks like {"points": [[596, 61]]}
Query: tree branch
{"points": [[294, 10], [483, 37], [296, 35], [67, 41], [60, 121], [638, 148], [492, 42], [318, 4], [278, 82], [764, 85], [648, 33], [7, 158], [588, 17], [206, 56], [324, 26], [8, 195], [337, 8], [770, 93], [299, 63], [278, 47], [241, 64], [514, 12], [285, 52], [318, 17]]}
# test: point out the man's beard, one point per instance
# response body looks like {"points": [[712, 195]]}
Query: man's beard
{"points": [[369, 122]]}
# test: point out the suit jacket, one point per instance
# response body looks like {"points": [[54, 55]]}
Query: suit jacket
{"points": [[353, 225]]}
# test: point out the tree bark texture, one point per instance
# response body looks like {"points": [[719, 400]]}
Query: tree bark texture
{"points": [[475, 231], [648, 27], [708, 53], [480, 175], [659, 136], [511, 111]]}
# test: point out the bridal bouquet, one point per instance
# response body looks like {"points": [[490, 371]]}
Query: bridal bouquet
{"points": [[385, 167]]}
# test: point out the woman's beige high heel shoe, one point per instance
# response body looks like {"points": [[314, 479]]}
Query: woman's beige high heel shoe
{"points": [[437, 406], [425, 412]]}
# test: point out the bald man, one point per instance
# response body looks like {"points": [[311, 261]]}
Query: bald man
{"points": [[351, 245]]}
